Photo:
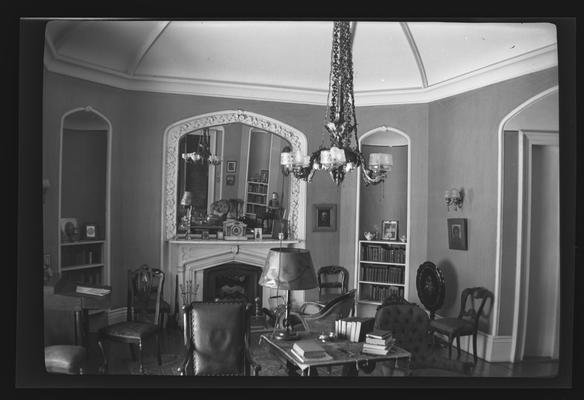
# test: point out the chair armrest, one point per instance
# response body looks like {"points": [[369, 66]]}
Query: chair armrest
{"points": [[254, 365], [188, 357], [310, 307]]}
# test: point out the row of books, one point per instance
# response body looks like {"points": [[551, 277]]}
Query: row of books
{"points": [[382, 273], [354, 328], [378, 342], [378, 293], [383, 254]]}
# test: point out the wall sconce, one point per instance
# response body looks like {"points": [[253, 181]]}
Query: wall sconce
{"points": [[454, 198]]}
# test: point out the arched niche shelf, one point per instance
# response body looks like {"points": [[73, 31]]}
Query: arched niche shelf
{"points": [[369, 217], [296, 206], [84, 196]]}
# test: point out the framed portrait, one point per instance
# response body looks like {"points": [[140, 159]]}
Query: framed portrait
{"points": [[69, 230], [457, 234], [325, 218], [230, 180], [231, 166], [389, 230]]}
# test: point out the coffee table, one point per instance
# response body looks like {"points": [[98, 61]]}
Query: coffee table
{"points": [[343, 352]]}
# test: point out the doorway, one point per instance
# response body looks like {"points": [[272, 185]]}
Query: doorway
{"points": [[539, 311]]}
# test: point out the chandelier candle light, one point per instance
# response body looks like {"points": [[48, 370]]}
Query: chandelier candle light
{"points": [[343, 155]]}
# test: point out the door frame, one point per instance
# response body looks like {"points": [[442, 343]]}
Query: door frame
{"points": [[526, 140]]}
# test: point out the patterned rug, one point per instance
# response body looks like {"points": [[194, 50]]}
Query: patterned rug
{"points": [[270, 366]]}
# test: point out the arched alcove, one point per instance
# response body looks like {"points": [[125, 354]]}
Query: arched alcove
{"points": [[84, 196], [389, 200]]}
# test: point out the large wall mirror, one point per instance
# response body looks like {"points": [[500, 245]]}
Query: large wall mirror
{"points": [[248, 181], [247, 184]]}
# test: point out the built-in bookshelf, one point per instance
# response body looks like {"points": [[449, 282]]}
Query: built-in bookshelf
{"points": [[83, 261], [257, 197], [382, 269]]}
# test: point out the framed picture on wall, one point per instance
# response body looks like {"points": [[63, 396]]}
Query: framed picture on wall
{"points": [[389, 229], [231, 166], [230, 180], [325, 218], [457, 234]]}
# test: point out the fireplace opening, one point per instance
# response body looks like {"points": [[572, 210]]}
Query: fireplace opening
{"points": [[232, 282]]}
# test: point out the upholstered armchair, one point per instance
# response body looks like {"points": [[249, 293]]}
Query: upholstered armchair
{"points": [[217, 338], [410, 326]]}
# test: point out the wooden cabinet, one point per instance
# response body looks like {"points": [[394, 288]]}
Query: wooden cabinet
{"points": [[382, 269], [257, 197]]}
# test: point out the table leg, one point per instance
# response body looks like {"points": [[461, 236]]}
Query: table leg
{"points": [[349, 370], [77, 324]]}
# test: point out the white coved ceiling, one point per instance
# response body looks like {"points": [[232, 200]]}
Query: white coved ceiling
{"points": [[394, 62]]}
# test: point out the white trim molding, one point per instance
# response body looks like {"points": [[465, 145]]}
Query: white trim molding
{"points": [[500, 198], [537, 60]]}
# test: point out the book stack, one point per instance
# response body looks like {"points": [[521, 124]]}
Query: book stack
{"points": [[309, 350], [378, 342], [354, 328]]}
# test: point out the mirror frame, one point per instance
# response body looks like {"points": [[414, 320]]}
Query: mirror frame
{"points": [[296, 210]]}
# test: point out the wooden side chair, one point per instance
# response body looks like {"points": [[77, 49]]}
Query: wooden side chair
{"points": [[217, 336], [467, 322], [333, 281], [143, 315]]}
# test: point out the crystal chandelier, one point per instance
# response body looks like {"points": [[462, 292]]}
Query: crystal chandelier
{"points": [[203, 151], [343, 155]]}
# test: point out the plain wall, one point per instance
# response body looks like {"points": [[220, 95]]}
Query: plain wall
{"points": [[464, 153]]}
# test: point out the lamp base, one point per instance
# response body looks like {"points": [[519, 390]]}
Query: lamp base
{"points": [[285, 335]]}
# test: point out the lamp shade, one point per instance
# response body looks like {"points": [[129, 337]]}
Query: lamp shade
{"points": [[186, 199], [289, 269]]}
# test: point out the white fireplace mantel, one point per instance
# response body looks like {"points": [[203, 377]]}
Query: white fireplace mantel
{"points": [[187, 259]]}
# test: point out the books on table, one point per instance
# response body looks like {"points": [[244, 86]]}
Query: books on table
{"points": [[354, 328], [378, 342], [309, 350]]}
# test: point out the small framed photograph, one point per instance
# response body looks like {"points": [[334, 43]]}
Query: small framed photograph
{"points": [[389, 230], [230, 180], [231, 166], [457, 234], [257, 233], [69, 230], [90, 231], [325, 218], [264, 174]]}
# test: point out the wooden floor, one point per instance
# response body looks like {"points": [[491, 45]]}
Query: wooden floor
{"points": [[120, 361]]}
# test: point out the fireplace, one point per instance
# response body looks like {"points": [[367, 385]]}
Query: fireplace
{"points": [[232, 281]]}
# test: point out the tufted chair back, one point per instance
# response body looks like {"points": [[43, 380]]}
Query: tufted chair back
{"points": [[217, 336], [409, 325]]}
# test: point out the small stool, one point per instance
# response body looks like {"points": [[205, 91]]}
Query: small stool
{"points": [[65, 359]]}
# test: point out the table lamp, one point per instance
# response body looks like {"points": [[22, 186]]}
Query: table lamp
{"points": [[288, 269]]}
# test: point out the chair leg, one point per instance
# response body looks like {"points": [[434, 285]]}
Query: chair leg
{"points": [[158, 349], [474, 347], [103, 368], [457, 346], [140, 349], [450, 339], [132, 352]]}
